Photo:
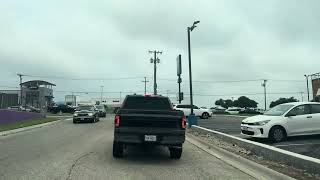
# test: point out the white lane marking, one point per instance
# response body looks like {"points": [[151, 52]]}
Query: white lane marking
{"points": [[283, 145]]}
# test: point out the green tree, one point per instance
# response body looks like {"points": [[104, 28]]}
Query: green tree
{"points": [[282, 101], [220, 102], [245, 102], [228, 103]]}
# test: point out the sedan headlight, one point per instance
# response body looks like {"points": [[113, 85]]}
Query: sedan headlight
{"points": [[75, 114], [261, 123], [90, 114]]}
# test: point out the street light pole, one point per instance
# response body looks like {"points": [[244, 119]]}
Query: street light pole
{"points": [[189, 29], [307, 78], [264, 84]]}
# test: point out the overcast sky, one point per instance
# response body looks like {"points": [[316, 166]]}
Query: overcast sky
{"points": [[235, 40]]}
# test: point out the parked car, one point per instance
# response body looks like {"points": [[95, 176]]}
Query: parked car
{"points": [[15, 108], [282, 121], [249, 111], [233, 110], [149, 120], [202, 113], [102, 111], [218, 109], [86, 113], [26, 108]]}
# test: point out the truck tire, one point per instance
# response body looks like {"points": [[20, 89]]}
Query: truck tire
{"points": [[74, 121], [117, 149], [175, 153]]}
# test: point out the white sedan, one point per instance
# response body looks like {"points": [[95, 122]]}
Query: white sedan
{"points": [[200, 112], [290, 119]]}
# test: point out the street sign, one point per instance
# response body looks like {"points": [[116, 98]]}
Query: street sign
{"points": [[179, 66], [181, 96]]}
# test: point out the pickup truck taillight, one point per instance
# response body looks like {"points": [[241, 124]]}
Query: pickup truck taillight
{"points": [[117, 121], [184, 122]]}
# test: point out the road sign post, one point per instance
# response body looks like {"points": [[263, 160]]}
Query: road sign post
{"points": [[179, 72]]}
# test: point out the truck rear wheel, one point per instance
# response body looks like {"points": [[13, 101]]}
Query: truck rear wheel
{"points": [[175, 153], [117, 149]]}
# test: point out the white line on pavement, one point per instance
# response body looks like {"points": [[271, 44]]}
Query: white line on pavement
{"points": [[283, 145]]}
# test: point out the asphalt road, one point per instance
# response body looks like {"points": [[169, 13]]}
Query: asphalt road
{"points": [[306, 145], [84, 151]]}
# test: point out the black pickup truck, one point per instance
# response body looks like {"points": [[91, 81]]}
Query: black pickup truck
{"points": [[149, 120]]}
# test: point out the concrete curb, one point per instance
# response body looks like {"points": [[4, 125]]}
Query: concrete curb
{"points": [[249, 167], [28, 128], [311, 165]]}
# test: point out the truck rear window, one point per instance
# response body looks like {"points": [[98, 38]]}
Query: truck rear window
{"points": [[148, 103]]}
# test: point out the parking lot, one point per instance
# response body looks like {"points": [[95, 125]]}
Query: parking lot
{"points": [[305, 145]]}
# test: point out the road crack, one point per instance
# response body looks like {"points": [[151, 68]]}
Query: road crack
{"points": [[75, 163]]}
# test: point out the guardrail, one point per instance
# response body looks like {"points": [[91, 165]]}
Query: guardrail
{"points": [[268, 152]]}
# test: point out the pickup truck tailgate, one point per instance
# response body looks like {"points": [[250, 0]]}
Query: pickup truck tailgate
{"points": [[150, 118]]}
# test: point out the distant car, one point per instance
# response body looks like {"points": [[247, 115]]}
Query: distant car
{"points": [[233, 110], [290, 119], [102, 110], [61, 107], [249, 111], [86, 113], [15, 108], [218, 109], [202, 113]]}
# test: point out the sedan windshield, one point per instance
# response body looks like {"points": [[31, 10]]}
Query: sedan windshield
{"points": [[279, 110], [85, 108]]}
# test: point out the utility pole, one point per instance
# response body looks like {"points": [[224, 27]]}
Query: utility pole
{"points": [[264, 84], [167, 93], [20, 99], [120, 98], [145, 85], [155, 60], [307, 78], [301, 93], [101, 94]]}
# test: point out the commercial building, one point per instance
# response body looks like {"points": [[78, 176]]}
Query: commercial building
{"points": [[37, 93], [8, 98], [315, 79]]}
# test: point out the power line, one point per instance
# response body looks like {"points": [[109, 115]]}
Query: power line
{"points": [[234, 81], [79, 79], [243, 94]]}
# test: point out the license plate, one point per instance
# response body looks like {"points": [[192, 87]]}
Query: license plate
{"points": [[150, 138]]}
